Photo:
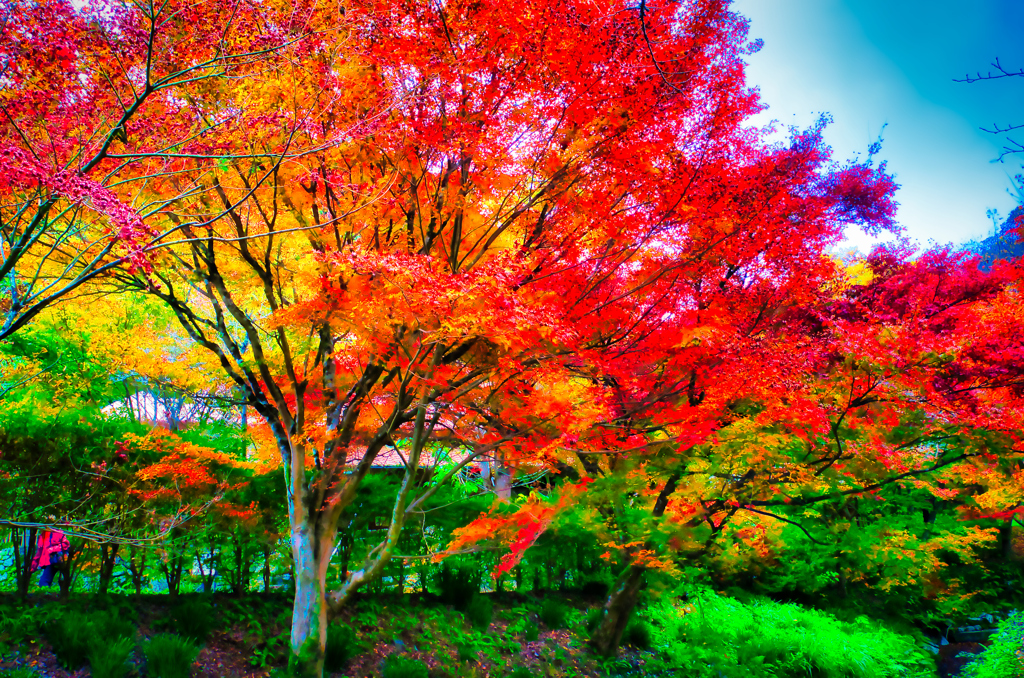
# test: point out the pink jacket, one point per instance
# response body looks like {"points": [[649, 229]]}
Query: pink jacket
{"points": [[49, 547]]}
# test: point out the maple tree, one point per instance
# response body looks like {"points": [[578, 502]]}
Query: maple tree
{"points": [[526, 237], [512, 237], [903, 377]]}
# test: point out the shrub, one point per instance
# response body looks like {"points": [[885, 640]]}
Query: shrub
{"points": [[110, 626], [458, 585], [19, 625], [71, 636], [397, 666], [479, 612], [110, 659], [170, 656], [553, 613], [594, 617], [19, 672], [467, 651], [1004, 658], [637, 634], [531, 632], [341, 647], [521, 672], [723, 637], [193, 618]]}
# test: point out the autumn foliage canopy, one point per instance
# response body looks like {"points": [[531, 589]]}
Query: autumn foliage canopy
{"points": [[536, 235]]}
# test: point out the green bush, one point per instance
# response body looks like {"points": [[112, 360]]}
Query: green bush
{"points": [[109, 626], [637, 634], [71, 636], [594, 618], [723, 638], [1005, 657], [458, 585], [480, 611], [341, 647], [110, 659], [193, 618], [553, 613], [170, 656], [531, 632], [397, 666], [521, 672], [19, 625], [20, 672], [467, 651]]}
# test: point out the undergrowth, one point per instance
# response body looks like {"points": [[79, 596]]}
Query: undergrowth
{"points": [[554, 613], [170, 656], [20, 672], [1005, 657], [194, 619], [719, 637], [342, 645], [110, 660], [397, 666], [74, 636]]}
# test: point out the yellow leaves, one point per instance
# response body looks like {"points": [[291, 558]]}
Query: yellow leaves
{"points": [[694, 336], [858, 273]]}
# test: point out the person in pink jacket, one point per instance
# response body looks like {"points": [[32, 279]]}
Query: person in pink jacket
{"points": [[51, 548]]}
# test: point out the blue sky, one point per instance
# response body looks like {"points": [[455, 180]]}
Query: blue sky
{"points": [[871, 63]]}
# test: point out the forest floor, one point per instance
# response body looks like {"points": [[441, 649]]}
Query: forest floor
{"points": [[247, 638]]}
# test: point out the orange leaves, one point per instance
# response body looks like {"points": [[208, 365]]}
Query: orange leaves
{"points": [[519, 530], [185, 471]]}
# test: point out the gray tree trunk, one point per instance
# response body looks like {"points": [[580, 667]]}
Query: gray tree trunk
{"points": [[617, 610], [310, 608]]}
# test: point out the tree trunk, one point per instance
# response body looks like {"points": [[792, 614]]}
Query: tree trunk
{"points": [[311, 556], [239, 574], [66, 570], [623, 596], [23, 561], [173, 567], [137, 567], [617, 609], [266, 568], [108, 558], [208, 571], [1006, 538]]}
